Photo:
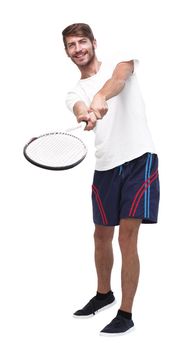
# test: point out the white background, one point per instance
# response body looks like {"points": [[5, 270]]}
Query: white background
{"points": [[46, 247]]}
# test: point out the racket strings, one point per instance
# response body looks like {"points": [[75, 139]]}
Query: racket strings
{"points": [[53, 147], [56, 150]]}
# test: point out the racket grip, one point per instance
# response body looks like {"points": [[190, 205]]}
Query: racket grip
{"points": [[83, 124]]}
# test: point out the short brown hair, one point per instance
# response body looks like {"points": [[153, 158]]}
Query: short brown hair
{"points": [[78, 29]]}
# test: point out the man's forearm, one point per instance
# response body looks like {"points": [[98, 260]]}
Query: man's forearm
{"points": [[116, 83], [80, 108], [111, 88]]}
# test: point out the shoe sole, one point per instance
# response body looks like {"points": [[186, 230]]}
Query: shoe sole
{"points": [[102, 309], [102, 334]]}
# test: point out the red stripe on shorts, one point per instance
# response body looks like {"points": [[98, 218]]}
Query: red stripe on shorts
{"points": [[100, 205]]}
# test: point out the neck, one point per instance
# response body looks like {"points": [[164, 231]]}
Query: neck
{"points": [[90, 69]]}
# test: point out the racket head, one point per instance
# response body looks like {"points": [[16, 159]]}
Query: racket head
{"points": [[55, 151]]}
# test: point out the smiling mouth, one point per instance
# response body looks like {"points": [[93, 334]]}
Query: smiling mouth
{"points": [[80, 55]]}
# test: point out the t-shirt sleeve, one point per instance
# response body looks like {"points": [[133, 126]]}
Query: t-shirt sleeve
{"points": [[132, 58], [124, 55], [127, 55], [71, 98]]}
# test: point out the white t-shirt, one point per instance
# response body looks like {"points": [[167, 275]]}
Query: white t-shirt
{"points": [[122, 135]]}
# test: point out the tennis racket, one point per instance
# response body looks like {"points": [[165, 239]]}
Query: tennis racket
{"points": [[56, 150]]}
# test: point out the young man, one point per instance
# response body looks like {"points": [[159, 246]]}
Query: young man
{"points": [[125, 188]]}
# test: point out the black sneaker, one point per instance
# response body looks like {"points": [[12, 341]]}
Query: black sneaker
{"points": [[118, 326], [95, 305]]}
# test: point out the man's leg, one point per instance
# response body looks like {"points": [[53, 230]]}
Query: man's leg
{"points": [[128, 234], [104, 261], [103, 256]]}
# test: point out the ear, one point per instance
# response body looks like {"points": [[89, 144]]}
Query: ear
{"points": [[95, 44]]}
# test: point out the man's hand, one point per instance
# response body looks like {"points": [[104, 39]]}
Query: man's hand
{"points": [[99, 106], [83, 113], [89, 118]]}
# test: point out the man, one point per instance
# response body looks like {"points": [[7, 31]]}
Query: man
{"points": [[125, 188]]}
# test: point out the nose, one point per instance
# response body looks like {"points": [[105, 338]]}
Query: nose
{"points": [[78, 47]]}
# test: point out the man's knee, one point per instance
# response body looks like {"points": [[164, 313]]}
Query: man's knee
{"points": [[103, 233], [128, 232]]}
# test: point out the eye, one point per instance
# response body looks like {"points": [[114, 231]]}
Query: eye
{"points": [[70, 45]]}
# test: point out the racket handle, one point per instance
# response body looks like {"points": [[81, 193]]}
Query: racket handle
{"points": [[80, 125], [83, 124]]}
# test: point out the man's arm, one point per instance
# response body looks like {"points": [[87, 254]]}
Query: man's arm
{"points": [[111, 88], [82, 113]]}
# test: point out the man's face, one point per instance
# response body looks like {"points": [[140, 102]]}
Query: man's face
{"points": [[80, 49]]}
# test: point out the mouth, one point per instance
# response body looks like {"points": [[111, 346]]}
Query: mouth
{"points": [[80, 55]]}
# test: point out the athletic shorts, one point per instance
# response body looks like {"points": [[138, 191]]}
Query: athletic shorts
{"points": [[130, 190]]}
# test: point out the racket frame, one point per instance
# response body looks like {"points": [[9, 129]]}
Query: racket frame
{"points": [[48, 167]]}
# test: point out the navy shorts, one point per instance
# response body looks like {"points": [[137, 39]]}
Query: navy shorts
{"points": [[130, 190]]}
